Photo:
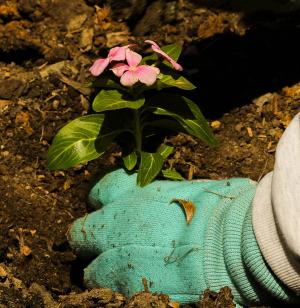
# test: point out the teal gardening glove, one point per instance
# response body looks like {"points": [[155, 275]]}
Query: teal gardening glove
{"points": [[139, 232]]}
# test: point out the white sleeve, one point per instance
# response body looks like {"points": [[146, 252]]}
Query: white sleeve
{"points": [[276, 210]]}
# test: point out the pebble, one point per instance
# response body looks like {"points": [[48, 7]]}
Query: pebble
{"points": [[11, 88]]}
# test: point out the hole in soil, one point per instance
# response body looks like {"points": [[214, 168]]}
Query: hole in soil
{"points": [[76, 272], [21, 56], [230, 71]]}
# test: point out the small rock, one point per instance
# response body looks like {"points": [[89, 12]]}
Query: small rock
{"points": [[57, 54], [151, 19], [215, 124], [11, 88]]}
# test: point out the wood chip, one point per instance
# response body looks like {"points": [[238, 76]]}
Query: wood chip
{"points": [[76, 23], [117, 38], [76, 85], [250, 132], [86, 39]]}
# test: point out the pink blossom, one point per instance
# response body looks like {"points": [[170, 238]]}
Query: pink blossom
{"points": [[157, 49], [115, 54], [133, 72]]}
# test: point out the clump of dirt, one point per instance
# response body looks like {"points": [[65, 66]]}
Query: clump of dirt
{"points": [[46, 49]]}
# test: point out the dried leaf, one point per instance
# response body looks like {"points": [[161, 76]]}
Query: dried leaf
{"points": [[25, 250], [191, 172], [22, 120], [33, 232], [67, 184], [188, 207], [103, 14]]}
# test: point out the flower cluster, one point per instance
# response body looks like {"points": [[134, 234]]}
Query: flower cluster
{"points": [[130, 72]]}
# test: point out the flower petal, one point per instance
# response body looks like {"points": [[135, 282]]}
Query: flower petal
{"points": [[176, 65], [157, 49], [99, 66], [129, 78], [119, 69], [147, 74], [117, 53], [152, 43], [133, 58]]}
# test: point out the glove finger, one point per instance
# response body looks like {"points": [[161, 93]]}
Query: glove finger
{"points": [[147, 218], [176, 272], [82, 238], [111, 187]]}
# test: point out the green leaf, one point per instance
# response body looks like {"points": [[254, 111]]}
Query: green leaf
{"points": [[130, 161], [114, 99], [167, 81], [167, 124], [173, 50], [172, 174], [201, 123], [76, 142], [150, 165], [165, 150], [149, 59], [106, 82], [197, 127]]}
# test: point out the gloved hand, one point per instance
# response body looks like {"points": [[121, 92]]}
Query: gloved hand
{"points": [[138, 232]]}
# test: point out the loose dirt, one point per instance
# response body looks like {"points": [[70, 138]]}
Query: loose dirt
{"points": [[247, 71]]}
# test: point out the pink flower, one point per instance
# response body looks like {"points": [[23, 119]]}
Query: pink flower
{"points": [[115, 54], [157, 49], [133, 72]]}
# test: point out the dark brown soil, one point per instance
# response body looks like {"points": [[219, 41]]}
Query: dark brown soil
{"points": [[247, 70]]}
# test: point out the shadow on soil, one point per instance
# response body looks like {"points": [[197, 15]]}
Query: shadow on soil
{"points": [[229, 70]]}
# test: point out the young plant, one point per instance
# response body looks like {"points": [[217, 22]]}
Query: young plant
{"points": [[133, 104]]}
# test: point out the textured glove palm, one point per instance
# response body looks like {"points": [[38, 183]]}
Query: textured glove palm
{"points": [[139, 232]]}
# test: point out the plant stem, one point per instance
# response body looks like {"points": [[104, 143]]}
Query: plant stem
{"points": [[137, 130]]}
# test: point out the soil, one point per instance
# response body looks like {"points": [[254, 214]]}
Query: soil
{"points": [[247, 70]]}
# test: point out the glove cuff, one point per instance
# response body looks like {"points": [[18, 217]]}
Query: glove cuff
{"points": [[223, 263], [232, 256], [259, 272], [269, 240]]}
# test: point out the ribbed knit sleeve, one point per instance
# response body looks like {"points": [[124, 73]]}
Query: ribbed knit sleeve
{"points": [[232, 256]]}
